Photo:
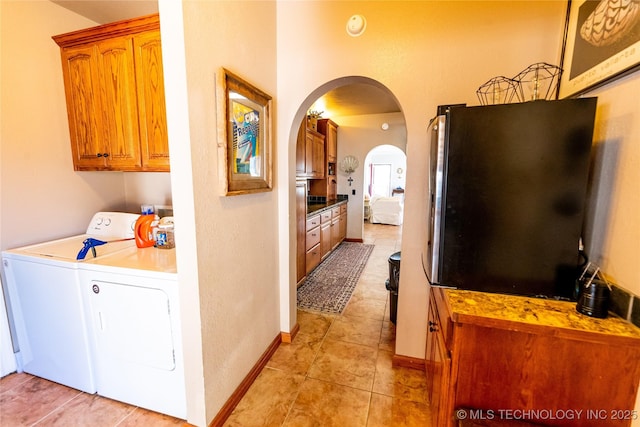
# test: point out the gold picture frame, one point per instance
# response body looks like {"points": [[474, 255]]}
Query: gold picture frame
{"points": [[244, 136], [601, 44]]}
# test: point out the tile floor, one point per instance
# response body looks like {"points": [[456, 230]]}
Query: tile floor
{"points": [[336, 372]]}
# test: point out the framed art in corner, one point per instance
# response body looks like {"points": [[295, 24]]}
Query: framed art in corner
{"points": [[602, 42], [244, 136]]}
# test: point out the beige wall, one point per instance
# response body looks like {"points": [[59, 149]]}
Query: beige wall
{"points": [[426, 54], [42, 197], [613, 227], [234, 247]]}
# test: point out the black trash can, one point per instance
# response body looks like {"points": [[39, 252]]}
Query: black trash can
{"points": [[392, 285]]}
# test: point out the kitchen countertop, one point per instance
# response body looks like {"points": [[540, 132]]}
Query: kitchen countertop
{"points": [[517, 312], [314, 208]]}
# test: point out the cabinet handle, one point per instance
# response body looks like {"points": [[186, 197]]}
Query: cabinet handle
{"points": [[106, 154], [99, 154], [103, 154], [433, 326]]}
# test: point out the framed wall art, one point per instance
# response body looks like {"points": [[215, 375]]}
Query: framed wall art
{"points": [[602, 42], [244, 136]]}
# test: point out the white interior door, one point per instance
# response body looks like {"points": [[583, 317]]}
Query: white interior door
{"points": [[380, 180]]}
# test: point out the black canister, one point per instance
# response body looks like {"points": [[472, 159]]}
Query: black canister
{"points": [[593, 300]]}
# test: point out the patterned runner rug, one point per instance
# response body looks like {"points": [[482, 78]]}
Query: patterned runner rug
{"points": [[328, 288]]}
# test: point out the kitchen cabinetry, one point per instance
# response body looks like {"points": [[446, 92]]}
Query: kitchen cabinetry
{"points": [[114, 89], [504, 353], [437, 363], [301, 230], [330, 131], [338, 225], [323, 231], [313, 242], [328, 185], [309, 153], [342, 231]]}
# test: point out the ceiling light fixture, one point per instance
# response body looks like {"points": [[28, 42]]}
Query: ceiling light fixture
{"points": [[385, 126], [356, 25]]}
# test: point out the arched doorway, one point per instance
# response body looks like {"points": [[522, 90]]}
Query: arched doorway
{"points": [[361, 127], [384, 171], [384, 183]]}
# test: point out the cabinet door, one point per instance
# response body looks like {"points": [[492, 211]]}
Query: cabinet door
{"points": [[308, 161], [154, 142], [332, 142], [313, 258], [81, 77], [301, 231], [325, 239], [301, 150], [342, 230], [318, 156], [437, 366], [314, 155], [118, 103], [335, 232]]}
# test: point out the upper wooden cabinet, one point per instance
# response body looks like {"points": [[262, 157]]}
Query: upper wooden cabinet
{"points": [[330, 131], [309, 153], [114, 89], [328, 185]]}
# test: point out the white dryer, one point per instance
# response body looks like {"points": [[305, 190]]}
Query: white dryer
{"points": [[49, 311], [133, 300]]}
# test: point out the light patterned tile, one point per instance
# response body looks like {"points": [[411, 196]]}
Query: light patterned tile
{"points": [[356, 330], [345, 363], [405, 383], [386, 411], [388, 337], [365, 307], [32, 400], [296, 357], [144, 418], [320, 403], [88, 410], [13, 380], [268, 400], [314, 325]]}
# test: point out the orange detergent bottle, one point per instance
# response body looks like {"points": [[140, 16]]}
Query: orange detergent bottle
{"points": [[144, 230]]}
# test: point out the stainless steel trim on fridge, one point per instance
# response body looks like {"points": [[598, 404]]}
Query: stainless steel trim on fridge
{"points": [[436, 176]]}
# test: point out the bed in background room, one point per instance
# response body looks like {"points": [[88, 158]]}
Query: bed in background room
{"points": [[387, 210]]}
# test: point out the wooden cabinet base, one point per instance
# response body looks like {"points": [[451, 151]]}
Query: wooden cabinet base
{"points": [[532, 373]]}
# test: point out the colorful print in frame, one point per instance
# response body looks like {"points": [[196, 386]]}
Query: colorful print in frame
{"points": [[244, 136]]}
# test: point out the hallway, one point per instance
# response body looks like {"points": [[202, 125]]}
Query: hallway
{"points": [[337, 372]]}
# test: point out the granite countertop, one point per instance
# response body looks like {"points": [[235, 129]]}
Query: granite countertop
{"points": [[317, 207], [512, 310]]}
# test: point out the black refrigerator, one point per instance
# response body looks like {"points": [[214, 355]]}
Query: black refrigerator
{"points": [[507, 196]]}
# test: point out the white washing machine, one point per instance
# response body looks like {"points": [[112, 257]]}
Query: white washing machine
{"points": [[49, 312]]}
